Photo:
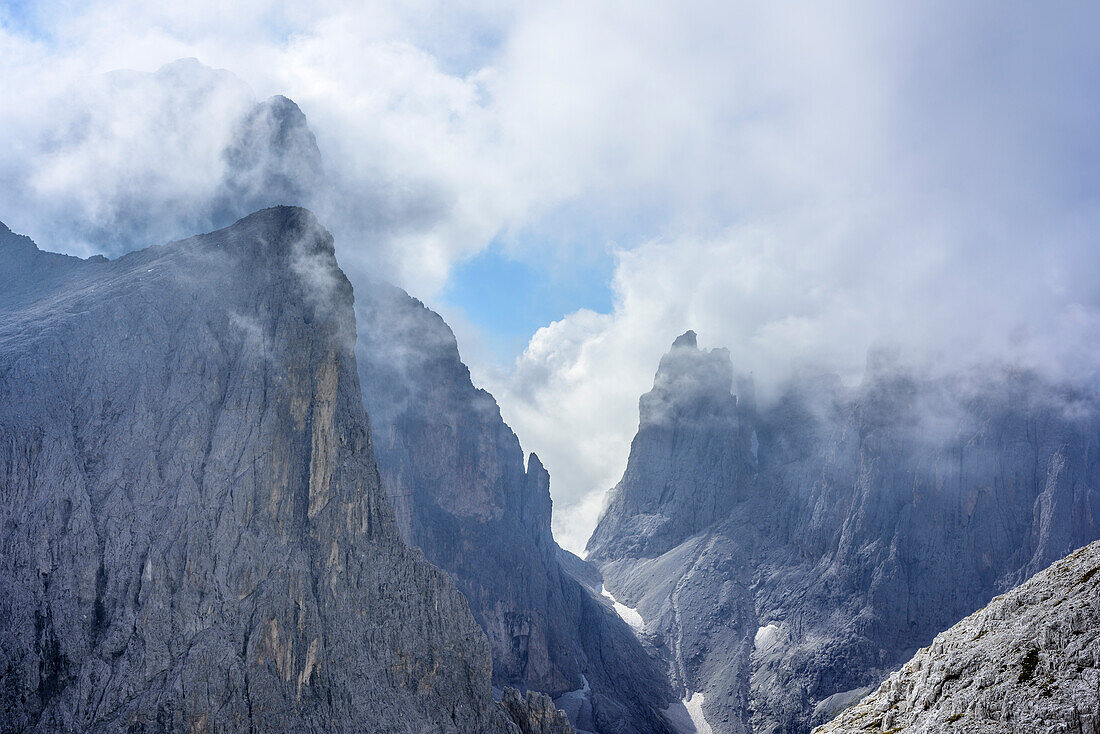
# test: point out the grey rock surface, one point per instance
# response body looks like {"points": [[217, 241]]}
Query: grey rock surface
{"points": [[535, 713], [193, 535], [687, 462], [271, 159], [456, 476], [1027, 662], [785, 557]]}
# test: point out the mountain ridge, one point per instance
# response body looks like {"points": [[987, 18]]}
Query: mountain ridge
{"points": [[1028, 661], [197, 536], [488, 523], [850, 525]]}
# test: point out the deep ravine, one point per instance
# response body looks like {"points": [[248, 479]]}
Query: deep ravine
{"points": [[456, 475]]}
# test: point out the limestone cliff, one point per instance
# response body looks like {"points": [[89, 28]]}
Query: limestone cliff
{"points": [[193, 532], [455, 473], [786, 557]]}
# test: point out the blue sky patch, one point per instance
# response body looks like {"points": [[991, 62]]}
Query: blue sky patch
{"points": [[508, 298]]}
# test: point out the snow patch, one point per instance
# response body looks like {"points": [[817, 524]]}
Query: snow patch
{"points": [[628, 614], [827, 708], [766, 637], [686, 716], [577, 705]]}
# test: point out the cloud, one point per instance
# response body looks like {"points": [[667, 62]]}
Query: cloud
{"points": [[795, 183], [400, 124], [839, 178]]}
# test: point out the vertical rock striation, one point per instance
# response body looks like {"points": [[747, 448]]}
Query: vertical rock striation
{"points": [[193, 533], [790, 556], [455, 474]]}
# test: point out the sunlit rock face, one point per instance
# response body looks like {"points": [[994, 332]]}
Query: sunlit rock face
{"points": [[788, 556], [455, 473], [1029, 661], [193, 530]]}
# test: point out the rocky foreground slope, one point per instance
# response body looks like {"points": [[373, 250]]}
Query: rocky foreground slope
{"points": [[1027, 662], [456, 476], [193, 535], [785, 558]]}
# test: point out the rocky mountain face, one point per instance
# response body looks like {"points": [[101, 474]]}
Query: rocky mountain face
{"points": [[456, 476], [194, 536], [536, 713], [687, 457], [1029, 661], [785, 558], [271, 158]]}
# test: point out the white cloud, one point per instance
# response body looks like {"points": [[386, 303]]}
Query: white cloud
{"points": [[833, 177], [406, 139]]}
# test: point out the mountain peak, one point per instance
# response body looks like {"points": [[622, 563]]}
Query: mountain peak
{"points": [[282, 231], [283, 216], [689, 380], [284, 105], [534, 464], [15, 244], [690, 461], [216, 351], [687, 339]]}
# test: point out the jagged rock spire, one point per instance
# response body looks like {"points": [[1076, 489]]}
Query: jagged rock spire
{"points": [[689, 461]]}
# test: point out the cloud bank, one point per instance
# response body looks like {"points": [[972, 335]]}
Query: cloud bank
{"points": [[795, 183], [837, 178]]}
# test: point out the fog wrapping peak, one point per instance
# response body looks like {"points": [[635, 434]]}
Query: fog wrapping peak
{"points": [[127, 159]]}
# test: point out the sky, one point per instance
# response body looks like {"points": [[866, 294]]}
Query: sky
{"points": [[574, 184]]}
